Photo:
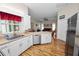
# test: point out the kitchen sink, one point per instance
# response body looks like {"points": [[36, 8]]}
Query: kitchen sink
{"points": [[11, 37]]}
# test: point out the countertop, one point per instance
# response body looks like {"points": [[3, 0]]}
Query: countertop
{"points": [[4, 40]]}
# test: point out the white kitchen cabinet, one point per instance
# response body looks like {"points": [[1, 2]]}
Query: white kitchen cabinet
{"points": [[5, 51], [23, 45], [10, 49], [30, 41], [46, 38], [15, 48]]}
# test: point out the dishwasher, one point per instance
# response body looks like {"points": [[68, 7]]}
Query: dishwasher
{"points": [[36, 39]]}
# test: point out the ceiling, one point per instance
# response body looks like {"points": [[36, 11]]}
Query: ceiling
{"points": [[39, 11]]}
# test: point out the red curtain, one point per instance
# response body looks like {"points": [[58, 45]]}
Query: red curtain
{"points": [[7, 16]]}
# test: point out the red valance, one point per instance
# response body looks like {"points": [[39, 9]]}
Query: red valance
{"points": [[7, 16]]}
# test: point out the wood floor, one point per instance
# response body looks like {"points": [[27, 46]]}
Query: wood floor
{"points": [[56, 48]]}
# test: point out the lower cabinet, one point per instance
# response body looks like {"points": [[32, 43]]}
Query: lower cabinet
{"points": [[30, 41], [5, 51], [46, 38], [17, 47], [25, 43], [22, 45], [11, 49]]}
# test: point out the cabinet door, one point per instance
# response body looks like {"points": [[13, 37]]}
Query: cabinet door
{"points": [[14, 50], [48, 38], [29, 41], [5, 51], [10, 50], [23, 45], [45, 38]]}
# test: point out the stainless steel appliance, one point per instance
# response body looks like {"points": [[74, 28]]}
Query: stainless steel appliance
{"points": [[36, 39], [72, 38], [76, 46]]}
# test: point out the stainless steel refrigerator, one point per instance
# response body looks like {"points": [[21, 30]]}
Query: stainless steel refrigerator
{"points": [[76, 46], [72, 37]]}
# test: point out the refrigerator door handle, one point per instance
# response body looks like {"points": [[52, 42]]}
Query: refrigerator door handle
{"points": [[77, 36]]}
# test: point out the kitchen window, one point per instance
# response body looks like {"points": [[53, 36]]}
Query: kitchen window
{"points": [[8, 26], [9, 22]]}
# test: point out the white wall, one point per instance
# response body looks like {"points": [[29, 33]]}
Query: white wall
{"points": [[77, 28], [25, 24], [61, 29], [68, 11], [14, 8]]}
